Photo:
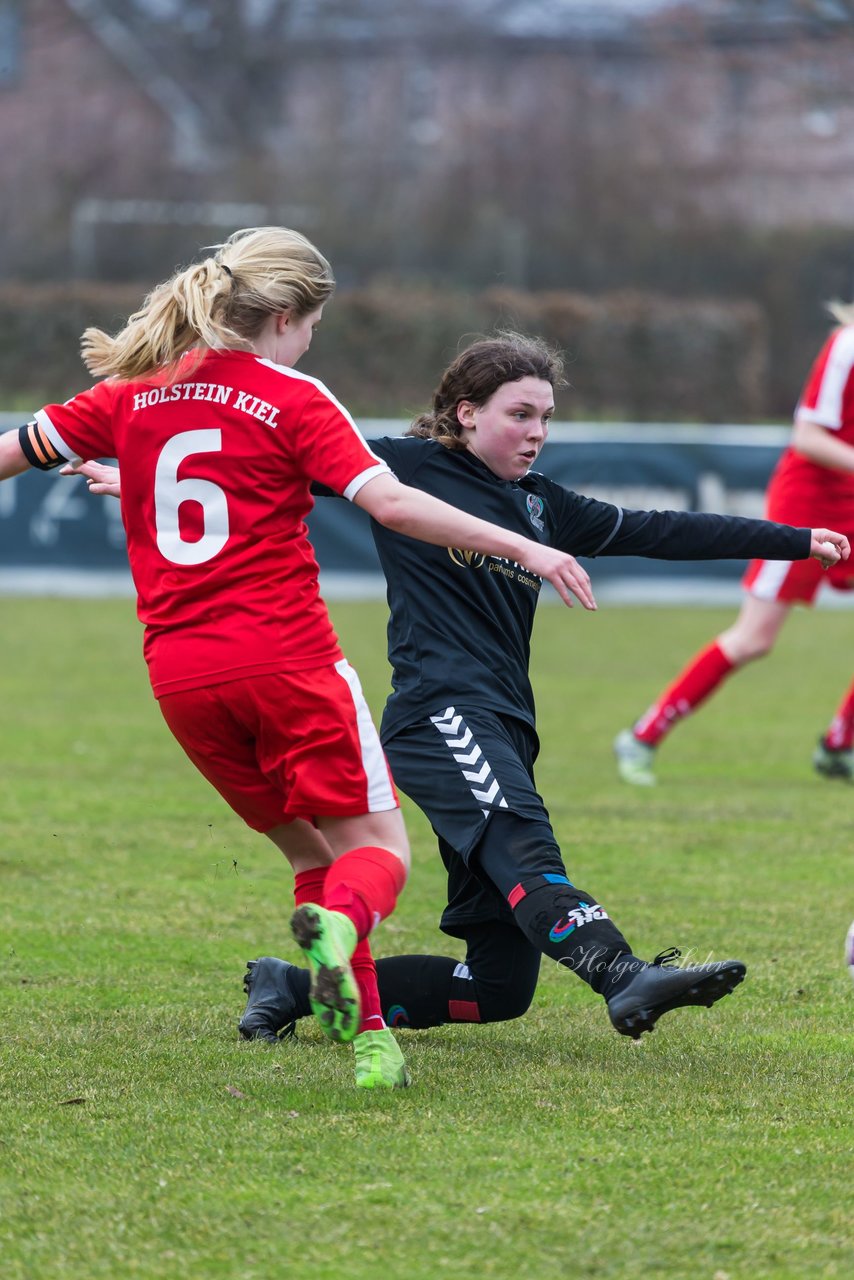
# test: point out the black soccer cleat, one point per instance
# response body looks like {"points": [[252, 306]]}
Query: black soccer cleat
{"points": [[659, 987], [271, 1008]]}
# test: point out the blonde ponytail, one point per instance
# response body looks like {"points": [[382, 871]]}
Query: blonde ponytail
{"points": [[220, 302]]}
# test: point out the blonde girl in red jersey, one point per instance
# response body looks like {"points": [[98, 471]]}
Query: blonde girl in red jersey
{"points": [[218, 439], [813, 483]]}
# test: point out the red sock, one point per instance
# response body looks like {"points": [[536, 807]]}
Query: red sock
{"points": [[365, 973], [363, 885], [840, 735], [309, 885], [700, 678]]}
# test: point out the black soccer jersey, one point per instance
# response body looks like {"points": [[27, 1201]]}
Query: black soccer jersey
{"points": [[460, 623]]}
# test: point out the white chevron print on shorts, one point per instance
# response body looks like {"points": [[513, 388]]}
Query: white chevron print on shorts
{"points": [[474, 765]]}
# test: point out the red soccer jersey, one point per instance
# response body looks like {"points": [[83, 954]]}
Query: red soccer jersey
{"points": [[803, 492], [215, 473]]}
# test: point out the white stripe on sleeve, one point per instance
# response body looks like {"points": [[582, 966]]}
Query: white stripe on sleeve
{"points": [[56, 439], [362, 479], [837, 371]]}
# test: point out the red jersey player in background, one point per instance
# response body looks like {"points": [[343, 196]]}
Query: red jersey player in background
{"points": [[813, 482], [218, 441]]}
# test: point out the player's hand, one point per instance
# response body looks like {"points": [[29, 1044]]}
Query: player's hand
{"points": [[100, 478], [828, 548], [562, 571]]}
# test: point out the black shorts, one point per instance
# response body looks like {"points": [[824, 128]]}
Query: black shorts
{"points": [[464, 768]]}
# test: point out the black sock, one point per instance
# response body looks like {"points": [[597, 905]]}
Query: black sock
{"points": [[568, 925], [415, 991], [425, 991], [430, 991]]}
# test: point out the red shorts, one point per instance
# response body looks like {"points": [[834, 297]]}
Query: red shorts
{"points": [[798, 581], [289, 745], [795, 581]]}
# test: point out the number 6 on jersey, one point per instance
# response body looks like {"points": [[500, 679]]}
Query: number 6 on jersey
{"points": [[170, 492]]}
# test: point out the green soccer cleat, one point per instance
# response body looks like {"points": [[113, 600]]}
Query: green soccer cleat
{"points": [[379, 1062], [833, 764], [634, 759], [328, 939]]}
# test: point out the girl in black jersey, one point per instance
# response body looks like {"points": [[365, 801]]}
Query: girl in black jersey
{"points": [[459, 727]]}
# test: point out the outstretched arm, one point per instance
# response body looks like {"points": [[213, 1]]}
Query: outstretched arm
{"points": [[701, 535]]}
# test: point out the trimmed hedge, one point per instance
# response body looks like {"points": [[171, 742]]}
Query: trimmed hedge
{"points": [[630, 355]]}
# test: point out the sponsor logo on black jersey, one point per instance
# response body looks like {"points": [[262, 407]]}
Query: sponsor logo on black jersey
{"points": [[466, 559]]}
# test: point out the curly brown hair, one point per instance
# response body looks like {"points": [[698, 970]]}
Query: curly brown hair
{"points": [[478, 372]]}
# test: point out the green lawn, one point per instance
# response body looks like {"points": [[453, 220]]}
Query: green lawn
{"points": [[140, 1138]]}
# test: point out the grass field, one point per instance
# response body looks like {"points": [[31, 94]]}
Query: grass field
{"points": [[140, 1138]]}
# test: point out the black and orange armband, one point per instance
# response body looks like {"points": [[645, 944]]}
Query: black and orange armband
{"points": [[38, 450]]}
